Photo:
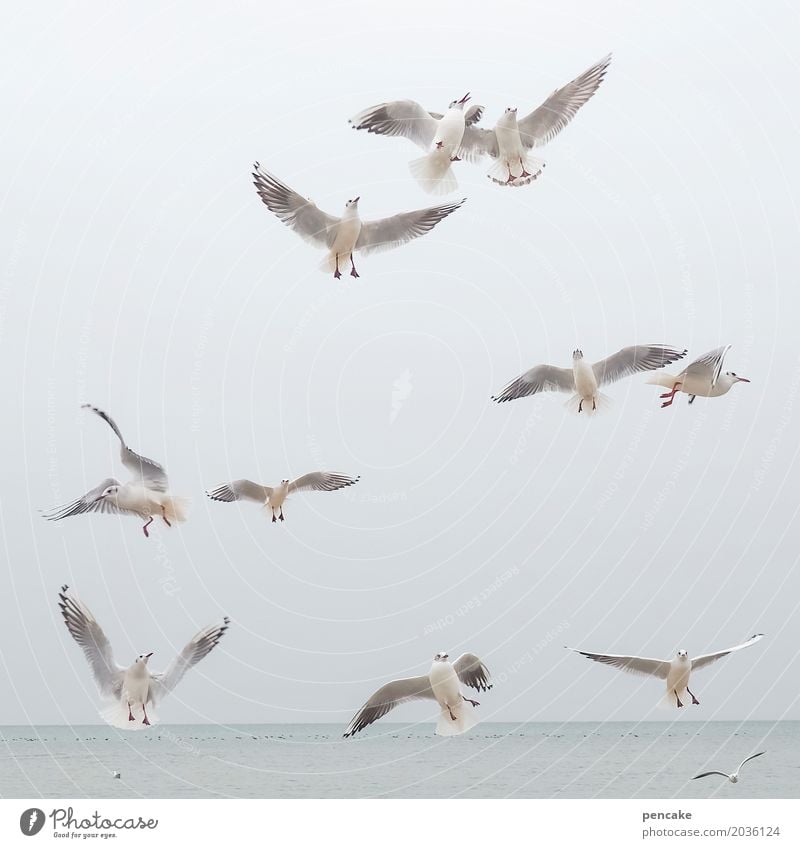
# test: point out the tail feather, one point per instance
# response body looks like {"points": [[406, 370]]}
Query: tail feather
{"points": [[434, 173], [115, 713], [661, 378], [501, 170], [602, 403], [176, 508], [465, 719]]}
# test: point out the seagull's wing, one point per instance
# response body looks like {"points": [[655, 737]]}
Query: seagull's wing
{"points": [[400, 118], [145, 470], [322, 481], [306, 219], [709, 365], [472, 672], [473, 115], [90, 502], [85, 630], [707, 773], [546, 122], [386, 233], [477, 142], [634, 665], [751, 757], [706, 659], [387, 698], [240, 490], [541, 378], [633, 359], [200, 646]]}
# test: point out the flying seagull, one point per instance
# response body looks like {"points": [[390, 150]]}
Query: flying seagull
{"points": [[438, 135], [342, 237], [440, 684], [584, 379], [135, 687], [703, 377], [511, 140], [734, 778], [145, 494], [676, 672], [273, 497]]}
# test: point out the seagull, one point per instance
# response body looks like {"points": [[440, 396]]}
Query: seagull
{"points": [[440, 684], [511, 140], [134, 687], [584, 379], [116, 775], [676, 672], [341, 237], [144, 495], [273, 497], [702, 377], [438, 135], [734, 778]]}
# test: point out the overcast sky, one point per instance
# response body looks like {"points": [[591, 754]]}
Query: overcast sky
{"points": [[141, 273]]}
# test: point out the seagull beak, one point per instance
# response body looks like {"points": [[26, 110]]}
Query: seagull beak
{"points": [[147, 656], [464, 98], [742, 380], [357, 199]]}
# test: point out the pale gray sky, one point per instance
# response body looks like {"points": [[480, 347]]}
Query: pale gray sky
{"points": [[141, 273]]}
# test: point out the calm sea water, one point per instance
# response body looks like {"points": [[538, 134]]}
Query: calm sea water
{"points": [[542, 760]]}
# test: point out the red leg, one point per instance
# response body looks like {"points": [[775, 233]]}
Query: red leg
{"points": [[670, 396], [164, 517], [470, 701], [144, 529], [522, 165], [353, 272], [130, 714], [439, 145], [281, 515], [145, 720], [677, 698], [694, 700], [337, 273]]}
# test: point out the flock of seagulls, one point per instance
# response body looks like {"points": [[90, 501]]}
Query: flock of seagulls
{"points": [[133, 693]]}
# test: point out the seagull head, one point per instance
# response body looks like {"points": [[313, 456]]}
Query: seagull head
{"points": [[352, 204], [682, 655], [511, 110], [459, 104], [143, 658], [577, 354], [735, 378], [441, 657], [284, 482], [108, 492]]}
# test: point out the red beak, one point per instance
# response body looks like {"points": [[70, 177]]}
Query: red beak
{"points": [[464, 98], [743, 379]]}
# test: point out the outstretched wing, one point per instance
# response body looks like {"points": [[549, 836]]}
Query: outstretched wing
{"points": [[387, 698], [200, 646], [709, 365], [634, 665], [148, 471], [322, 481], [90, 502], [706, 659], [240, 490], [306, 219], [751, 757], [545, 123], [633, 359], [707, 773], [472, 672], [540, 378], [386, 233], [477, 142], [85, 630], [400, 118]]}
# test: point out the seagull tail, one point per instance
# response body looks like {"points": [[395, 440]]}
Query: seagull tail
{"points": [[661, 378], [602, 403], [465, 719], [668, 701], [501, 170], [176, 508], [115, 713], [434, 173]]}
